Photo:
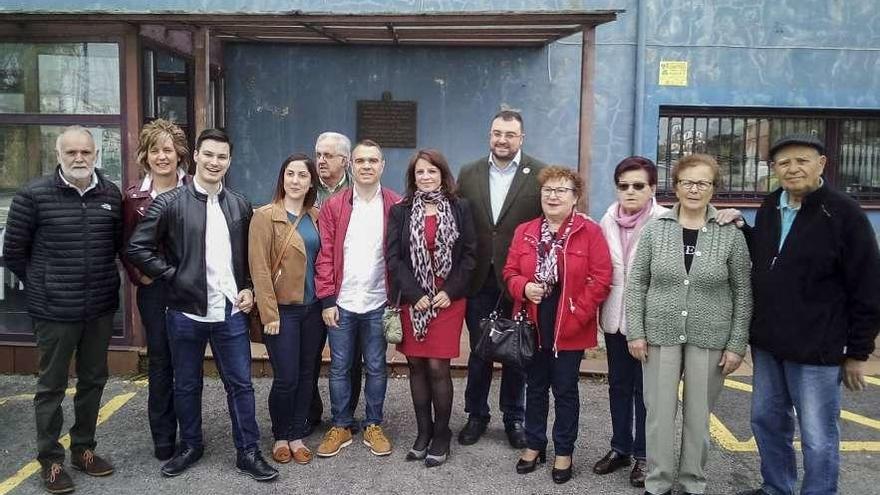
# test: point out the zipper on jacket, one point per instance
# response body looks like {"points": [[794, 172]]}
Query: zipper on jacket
{"points": [[562, 295]]}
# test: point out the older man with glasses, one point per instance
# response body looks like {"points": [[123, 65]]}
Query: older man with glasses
{"points": [[333, 156]]}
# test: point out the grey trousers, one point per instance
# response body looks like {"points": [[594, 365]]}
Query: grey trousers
{"points": [[666, 367]]}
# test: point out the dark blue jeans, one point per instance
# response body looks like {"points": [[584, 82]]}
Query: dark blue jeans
{"points": [[479, 378], [292, 353], [232, 355], [782, 388], [558, 373], [160, 404], [625, 394], [317, 408], [366, 328]]}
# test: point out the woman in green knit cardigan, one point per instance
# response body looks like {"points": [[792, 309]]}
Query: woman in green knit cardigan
{"points": [[688, 306]]}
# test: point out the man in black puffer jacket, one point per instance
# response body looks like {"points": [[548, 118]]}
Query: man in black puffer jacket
{"points": [[62, 237]]}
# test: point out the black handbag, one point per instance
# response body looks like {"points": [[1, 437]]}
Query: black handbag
{"points": [[511, 342]]}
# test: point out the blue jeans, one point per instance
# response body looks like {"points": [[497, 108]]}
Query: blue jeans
{"points": [[512, 399], [366, 328], [561, 374], [625, 394], [160, 404], [781, 388], [232, 354], [292, 353]]}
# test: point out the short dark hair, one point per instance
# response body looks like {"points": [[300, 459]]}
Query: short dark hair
{"points": [[435, 158], [213, 135], [369, 143], [312, 193], [631, 163], [509, 115]]}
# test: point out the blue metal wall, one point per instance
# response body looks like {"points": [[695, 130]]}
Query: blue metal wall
{"points": [[786, 53], [286, 95]]}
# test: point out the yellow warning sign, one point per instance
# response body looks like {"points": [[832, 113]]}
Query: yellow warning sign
{"points": [[673, 73]]}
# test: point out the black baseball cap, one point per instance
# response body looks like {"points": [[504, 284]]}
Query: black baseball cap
{"points": [[800, 139]]}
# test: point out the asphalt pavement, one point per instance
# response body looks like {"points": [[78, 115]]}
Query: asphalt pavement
{"points": [[484, 468]]}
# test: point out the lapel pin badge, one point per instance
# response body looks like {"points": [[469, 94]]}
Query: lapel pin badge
{"points": [[526, 170]]}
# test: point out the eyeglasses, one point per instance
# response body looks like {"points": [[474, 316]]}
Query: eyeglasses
{"points": [[625, 186], [326, 156], [547, 191], [701, 185], [506, 135]]}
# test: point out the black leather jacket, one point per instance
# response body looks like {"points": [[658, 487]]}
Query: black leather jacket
{"points": [[169, 244]]}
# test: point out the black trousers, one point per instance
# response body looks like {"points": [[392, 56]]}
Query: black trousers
{"points": [[561, 374], [160, 404], [57, 342]]}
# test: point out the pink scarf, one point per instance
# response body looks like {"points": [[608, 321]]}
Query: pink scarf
{"points": [[631, 223]]}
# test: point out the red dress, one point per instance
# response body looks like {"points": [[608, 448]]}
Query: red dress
{"points": [[444, 331]]}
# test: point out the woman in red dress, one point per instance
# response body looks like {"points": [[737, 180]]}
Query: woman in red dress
{"points": [[430, 259]]}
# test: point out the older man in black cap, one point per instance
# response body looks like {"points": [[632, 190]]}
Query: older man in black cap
{"points": [[816, 288]]}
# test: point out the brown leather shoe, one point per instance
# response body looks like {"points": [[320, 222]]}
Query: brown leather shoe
{"points": [[90, 463], [56, 480], [281, 454], [638, 474], [611, 462], [302, 455]]}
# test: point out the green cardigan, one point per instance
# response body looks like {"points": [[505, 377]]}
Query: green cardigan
{"points": [[710, 307]]}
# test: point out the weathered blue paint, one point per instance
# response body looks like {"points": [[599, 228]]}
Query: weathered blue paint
{"points": [[281, 106], [787, 53]]}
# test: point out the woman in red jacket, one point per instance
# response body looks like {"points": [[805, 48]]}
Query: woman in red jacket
{"points": [[558, 270]]}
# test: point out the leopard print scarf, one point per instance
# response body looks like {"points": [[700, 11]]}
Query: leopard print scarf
{"points": [[546, 267], [425, 266]]}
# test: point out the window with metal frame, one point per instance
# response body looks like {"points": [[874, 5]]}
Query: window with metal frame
{"points": [[44, 87], [740, 140]]}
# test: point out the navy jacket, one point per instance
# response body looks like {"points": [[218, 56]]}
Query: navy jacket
{"points": [[816, 301]]}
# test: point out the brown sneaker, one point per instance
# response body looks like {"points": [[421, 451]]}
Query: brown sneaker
{"points": [[302, 455], [88, 462], [334, 440], [56, 480], [375, 439]]}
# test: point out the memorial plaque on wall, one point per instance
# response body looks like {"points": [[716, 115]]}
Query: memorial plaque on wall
{"points": [[390, 123]]}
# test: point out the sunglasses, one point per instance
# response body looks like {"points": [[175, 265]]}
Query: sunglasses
{"points": [[624, 186]]}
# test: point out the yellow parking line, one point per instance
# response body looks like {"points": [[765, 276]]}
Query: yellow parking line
{"points": [[3, 400], [32, 467]]}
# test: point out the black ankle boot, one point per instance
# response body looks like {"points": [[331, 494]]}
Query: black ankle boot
{"points": [[524, 467]]}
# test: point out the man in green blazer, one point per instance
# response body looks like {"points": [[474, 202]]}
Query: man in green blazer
{"points": [[503, 192]]}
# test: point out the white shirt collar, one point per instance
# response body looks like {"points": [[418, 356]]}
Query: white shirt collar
{"points": [[513, 165], [92, 184], [147, 183], [202, 190], [356, 197]]}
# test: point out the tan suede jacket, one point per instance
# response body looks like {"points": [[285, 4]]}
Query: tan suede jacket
{"points": [[268, 231]]}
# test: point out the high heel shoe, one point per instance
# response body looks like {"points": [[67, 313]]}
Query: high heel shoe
{"points": [[561, 476], [438, 452], [416, 455], [524, 467]]}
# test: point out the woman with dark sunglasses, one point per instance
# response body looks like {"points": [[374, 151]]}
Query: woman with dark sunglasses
{"points": [[636, 181]]}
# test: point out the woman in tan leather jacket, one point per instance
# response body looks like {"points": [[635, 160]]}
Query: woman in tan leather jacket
{"points": [[283, 246]]}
